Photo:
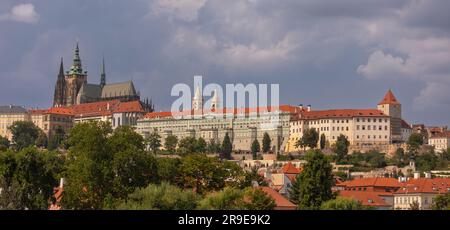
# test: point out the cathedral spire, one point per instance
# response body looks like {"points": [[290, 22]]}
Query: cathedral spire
{"points": [[103, 75], [76, 66], [58, 99]]}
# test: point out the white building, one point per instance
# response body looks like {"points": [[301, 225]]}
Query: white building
{"points": [[440, 141]]}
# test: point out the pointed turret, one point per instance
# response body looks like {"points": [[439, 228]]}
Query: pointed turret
{"points": [[389, 98], [103, 75], [58, 99], [197, 102], [76, 66], [215, 100]]}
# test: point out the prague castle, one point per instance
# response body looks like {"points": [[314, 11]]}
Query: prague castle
{"points": [[72, 87]]}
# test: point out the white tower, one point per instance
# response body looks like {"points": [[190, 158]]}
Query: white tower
{"points": [[215, 101], [197, 102]]}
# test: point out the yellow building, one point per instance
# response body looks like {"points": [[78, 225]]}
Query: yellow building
{"points": [[50, 120], [440, 141], [10, 114]]}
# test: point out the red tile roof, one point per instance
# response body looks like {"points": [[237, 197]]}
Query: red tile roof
{"points": [[389, 98], [235, 111], [289, 168], [102, 108], [424, 185], [367, 198], [54, 110], [281, 202], [445, 134], [372, 182], [341, 113], [131, 106]]}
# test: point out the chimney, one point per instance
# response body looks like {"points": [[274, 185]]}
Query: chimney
{"points": [[416, 175], [10, 106], [61, 183], [309, 108], [428, 175], [107, 106], [300, 106]]}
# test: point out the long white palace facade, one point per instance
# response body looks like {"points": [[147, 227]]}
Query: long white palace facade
{"points": [[365, 128]]}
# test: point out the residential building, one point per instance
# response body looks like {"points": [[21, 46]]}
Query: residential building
{"points": [[10, 114], [420, 192], [440, 141], [375, 200], [50, 120], [406, 130]]}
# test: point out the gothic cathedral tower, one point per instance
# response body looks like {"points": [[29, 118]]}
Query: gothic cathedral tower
{"points": [[74, 79], [58, 99]]}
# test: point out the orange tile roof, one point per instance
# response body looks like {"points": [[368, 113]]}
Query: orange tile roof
{"points": [[131, 106], [280, 201], [289, 168], [54, 110], [367, 198], [424, 185], [389, 98], [441, 135], [283, 108], [102, 108], [341, 113], [372, 182]]}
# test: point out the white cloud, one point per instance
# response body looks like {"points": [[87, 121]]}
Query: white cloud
{"points": [[186, 10], [381, 65], [21, 13]]}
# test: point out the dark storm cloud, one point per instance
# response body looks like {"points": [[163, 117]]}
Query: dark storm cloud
{"points": [[332, 54]]}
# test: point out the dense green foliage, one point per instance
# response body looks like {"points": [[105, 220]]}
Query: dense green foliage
{"points": [[227, 147], [341, 203], [103, 165], [27, 178], [255, 148], [323, 141], [4, 144], [24, 134], [313, 185], [309, 139], [341, 147], [170, 143], [160, 197], [154, 142], [441, 202], [266, 143]]}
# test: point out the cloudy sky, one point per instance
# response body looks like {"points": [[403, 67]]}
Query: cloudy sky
{"points": [[331, 54]]}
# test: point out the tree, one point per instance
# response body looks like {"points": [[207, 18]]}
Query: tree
{"points": [[342, 203], [4, 143], [213, 146], [227, 147], [170, 143], [400, 158], [188, 145], [255, 149], [427, 161], [266, 143], [56, 138], [160, 197], [441, 202], [154, 141], [309, 139], [414, 205], [415, 141], [105, 166], [313, 185], [24, 134], [200, 145], [41, 140], [205, 174], [27, 178], [236, 199], [341, 147], [168, 169], [323, 141]]}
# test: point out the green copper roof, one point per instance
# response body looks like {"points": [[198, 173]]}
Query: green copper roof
{"points": [[76, 66]]}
